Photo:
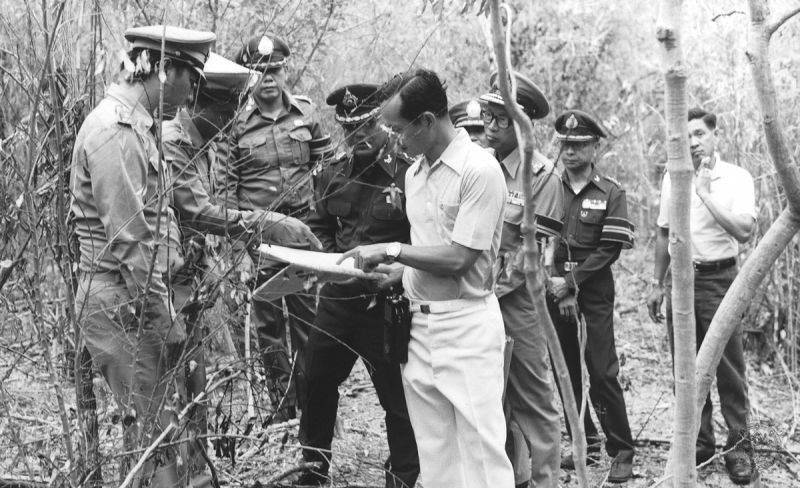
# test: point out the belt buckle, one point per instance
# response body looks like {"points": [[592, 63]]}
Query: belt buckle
{"points": [[425, 308], [569, 265]]}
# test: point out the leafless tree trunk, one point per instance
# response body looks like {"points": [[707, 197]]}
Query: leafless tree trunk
{"points": [[731, 311], [534, 276], [681, 172]]}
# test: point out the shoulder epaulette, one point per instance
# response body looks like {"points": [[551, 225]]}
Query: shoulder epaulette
{"points": [[124, 115], [612, 180]]}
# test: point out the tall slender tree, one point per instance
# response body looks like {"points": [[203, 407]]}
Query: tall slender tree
{"points": [[681, 173]]}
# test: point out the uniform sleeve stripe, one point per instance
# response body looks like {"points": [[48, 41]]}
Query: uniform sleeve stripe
{"points": [[547, 226], [617, 232], [616, 221], [617, 228], [626, 243]]}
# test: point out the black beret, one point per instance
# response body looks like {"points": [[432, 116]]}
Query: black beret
{"points": [[466, 114], [529, 96], [264, 52], [355, 103], [576, 125]]}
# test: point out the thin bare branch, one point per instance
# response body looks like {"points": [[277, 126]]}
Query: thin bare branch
{"points": [[781, 19]]}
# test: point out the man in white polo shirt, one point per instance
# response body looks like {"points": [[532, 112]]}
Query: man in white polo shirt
{"points": [[453, 379], [722, 215]]}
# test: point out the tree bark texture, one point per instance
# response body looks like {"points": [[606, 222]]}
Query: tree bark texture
{"points": [[681, 173], [731, 311], [534, 276]]}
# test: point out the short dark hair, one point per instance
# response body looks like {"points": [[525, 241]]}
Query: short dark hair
{"points": [[420, 91], [707, 117]]}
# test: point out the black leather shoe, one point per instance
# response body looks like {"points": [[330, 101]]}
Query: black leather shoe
{"points": [[740, 466], [592, 459], [621, 467], [311, 478]]}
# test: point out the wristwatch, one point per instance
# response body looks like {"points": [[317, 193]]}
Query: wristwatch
{"points": [[393, 251]]}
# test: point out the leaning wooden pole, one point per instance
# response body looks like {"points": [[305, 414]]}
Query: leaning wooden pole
{"points": [[534, 276], [681, 173], [731, 310]]}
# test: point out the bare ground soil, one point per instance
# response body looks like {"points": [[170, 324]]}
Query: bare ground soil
{"points": [[31, 442]]}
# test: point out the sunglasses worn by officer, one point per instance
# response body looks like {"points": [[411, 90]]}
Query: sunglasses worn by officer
{"points": [[503, 121]]}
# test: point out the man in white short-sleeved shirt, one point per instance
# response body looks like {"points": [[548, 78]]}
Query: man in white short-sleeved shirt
{"points": [[453, 379], [722, 216]]}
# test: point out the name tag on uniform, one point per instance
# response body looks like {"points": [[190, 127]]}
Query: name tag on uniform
{"points": [[516, 198], [593, 204]]}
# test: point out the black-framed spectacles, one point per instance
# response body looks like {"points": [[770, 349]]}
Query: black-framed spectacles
{"points": [[503, 122]]}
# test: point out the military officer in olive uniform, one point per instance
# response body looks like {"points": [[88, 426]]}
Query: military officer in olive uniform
{"points": [[596, 229], [267, 165], [128, 237], [534, 423], [190, 150], [361, 201], [467, 114]]}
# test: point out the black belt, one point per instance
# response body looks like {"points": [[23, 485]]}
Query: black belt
{"points": [[567, 266], [107, 276], [711, 266]]}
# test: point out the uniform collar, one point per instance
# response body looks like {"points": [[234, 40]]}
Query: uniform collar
{"points": [[134, 112], [189, 127], [513, 162], [595, 178], [453, 154], [290, 104]]}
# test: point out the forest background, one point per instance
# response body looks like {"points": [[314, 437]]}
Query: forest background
{"points": [[57, 58]]}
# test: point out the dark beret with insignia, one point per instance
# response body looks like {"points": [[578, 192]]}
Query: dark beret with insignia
{"points": [[576, 125], [264, 52], [225, 81], [466, 114], [355, 103], [529, 96], [189, 46]]}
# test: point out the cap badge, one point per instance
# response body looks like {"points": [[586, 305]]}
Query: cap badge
{"points": [[265, 46], [349, 100], [572, 122], [473, 109]]}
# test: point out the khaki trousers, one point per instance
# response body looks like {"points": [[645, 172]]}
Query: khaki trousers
{"points": [[453, 382]]}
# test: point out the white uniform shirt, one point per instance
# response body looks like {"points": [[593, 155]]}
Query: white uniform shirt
{"points": [[459, 198], [732, 189]]}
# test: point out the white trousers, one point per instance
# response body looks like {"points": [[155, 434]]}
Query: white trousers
{"points": [[453, 382]]}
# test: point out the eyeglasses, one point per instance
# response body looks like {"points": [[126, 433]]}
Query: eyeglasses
{"points": [[503, 122]]}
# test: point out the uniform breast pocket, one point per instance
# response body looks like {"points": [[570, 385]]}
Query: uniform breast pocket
{"points": [[253, 145], [338, 208], [386, 211], [299, 137], [591, 226], [447, 214]]}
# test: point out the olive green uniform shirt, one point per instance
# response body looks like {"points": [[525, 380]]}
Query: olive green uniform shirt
{"points": [[115, 196], [266, 163]]}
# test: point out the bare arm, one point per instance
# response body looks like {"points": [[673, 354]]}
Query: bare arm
{"points": [[662, 260], [452, 260]]}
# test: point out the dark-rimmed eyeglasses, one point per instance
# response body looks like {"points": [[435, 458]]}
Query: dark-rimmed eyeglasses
{"points": [[503, 122]]}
